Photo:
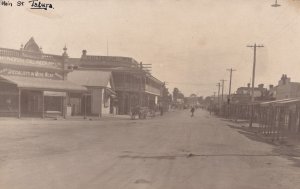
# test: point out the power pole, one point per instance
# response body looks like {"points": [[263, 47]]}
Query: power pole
{"points": [[141, 85], [253, 80], [229, 93], [222, 89], [214, 96], [219, 85], [218, 109]]}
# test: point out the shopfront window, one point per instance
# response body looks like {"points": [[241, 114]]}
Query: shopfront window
{"points": [[9, 103], [106, 99], [53, 103]]}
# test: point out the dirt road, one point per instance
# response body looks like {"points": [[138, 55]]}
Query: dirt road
{"points": [[170, 152]]}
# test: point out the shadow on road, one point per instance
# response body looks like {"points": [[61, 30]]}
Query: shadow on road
{"points": [[282, 148]]}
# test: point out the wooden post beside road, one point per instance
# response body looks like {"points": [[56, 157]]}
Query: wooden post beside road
{"points": [[253, 80]]}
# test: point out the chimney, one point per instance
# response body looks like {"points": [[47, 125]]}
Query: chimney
{"points": [[271, 87], [248, 85], [261, 86], [83, 53], [65, 54]]}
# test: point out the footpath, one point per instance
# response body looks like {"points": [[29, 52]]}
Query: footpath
{"points": [[288, 145], [74, 118]]}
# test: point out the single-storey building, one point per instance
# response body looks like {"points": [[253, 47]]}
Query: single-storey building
{"points": [[101, 96]]}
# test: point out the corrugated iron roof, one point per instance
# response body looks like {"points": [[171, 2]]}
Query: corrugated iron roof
{"points": [[281, 101], [90, 78]]}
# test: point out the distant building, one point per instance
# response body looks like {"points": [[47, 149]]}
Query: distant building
{"points": [[243, 94], [192, 100], [287, 89], [258, 91]]}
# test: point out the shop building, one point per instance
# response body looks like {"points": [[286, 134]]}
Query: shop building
{"points": [[134, 86], [33, 83], [101, 96]]}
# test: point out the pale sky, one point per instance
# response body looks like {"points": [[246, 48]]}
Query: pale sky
{"points": [[190, 43]]}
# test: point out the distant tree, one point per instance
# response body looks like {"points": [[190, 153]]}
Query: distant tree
{"points": [[170, 98], [175, 93], [180, 95], [166, 94], [165, 91], [207, 99], [200, 99]]}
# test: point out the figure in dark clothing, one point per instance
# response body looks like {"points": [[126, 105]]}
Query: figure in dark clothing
{"points": [[161, 110], [192, 111]]}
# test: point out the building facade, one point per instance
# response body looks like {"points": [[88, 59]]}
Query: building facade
{"points": [[33, 83], [244, 94], [191, 101], [101, 96], [287, 89], [134, 86]]}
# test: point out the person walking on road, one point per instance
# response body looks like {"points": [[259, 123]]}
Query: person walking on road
{"points": [[192, 111]]}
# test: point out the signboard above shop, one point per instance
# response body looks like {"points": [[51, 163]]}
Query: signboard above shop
{"points": [[36, 74], [54, 93], [30, 62]]}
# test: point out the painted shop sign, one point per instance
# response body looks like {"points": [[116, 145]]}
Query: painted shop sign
{"points": [[37, 74], [27, 62]]}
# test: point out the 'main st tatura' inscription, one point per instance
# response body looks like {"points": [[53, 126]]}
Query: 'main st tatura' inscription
{"points": [[36, 4]]}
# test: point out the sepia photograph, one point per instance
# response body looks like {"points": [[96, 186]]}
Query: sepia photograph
{"points": [[149, 94]]}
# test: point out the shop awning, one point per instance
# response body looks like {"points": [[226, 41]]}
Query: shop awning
{"points": [[54, 93], [90, 78], [43, 84]]}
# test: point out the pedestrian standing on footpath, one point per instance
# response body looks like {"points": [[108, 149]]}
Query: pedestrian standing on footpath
{"points": [[192, 111], [161, 110]]}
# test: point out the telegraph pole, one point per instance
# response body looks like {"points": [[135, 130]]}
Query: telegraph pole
{"points": [[229, 93], [222, 88], [214, 96], [219, 85], [253, 80]]}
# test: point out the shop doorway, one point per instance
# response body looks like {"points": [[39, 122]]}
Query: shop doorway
{"points": [[31, 103], [126, 105], [86, 107]]}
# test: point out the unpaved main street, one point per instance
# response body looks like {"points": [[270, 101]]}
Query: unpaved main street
{"points": [[169, 152]]}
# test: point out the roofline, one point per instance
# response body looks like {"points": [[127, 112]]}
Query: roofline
{"points": [[114, 70], [152, 77], [18, 50]]}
